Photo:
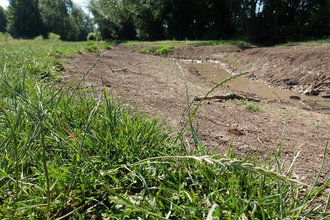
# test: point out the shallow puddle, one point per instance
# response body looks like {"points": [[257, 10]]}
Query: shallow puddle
{"points": [[214, 72]]}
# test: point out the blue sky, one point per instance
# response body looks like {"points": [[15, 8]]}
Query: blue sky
{"points": [[4, 3]]}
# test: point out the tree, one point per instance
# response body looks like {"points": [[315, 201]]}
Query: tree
{"points": [[3, 20], [263, 21], [82, 21], [148, 18], [65, 18], [114, 19], [195, 19], [24, 19], [273, 21], [56, 18]]}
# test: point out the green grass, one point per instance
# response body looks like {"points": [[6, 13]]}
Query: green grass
{"points": [[77, 154], [251, 106], [309, 42], [175, 43], [161, 50], [224, 43], [230, 60], [185, 42]]}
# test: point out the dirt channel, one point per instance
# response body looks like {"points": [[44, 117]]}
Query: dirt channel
{"points": [[156, 86]]}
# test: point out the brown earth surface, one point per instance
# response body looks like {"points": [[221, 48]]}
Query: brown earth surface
{"points": [[157, 87]]}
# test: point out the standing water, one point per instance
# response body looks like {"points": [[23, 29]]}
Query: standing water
{"points": [[214, 72]]}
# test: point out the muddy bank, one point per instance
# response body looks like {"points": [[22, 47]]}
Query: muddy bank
{"points": [[304, 69], [214, 71]]}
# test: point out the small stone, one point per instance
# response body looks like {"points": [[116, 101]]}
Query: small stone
{"points": [[325, 94]]}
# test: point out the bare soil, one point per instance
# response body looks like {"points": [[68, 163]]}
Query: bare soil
{"points": [[157, 87]]}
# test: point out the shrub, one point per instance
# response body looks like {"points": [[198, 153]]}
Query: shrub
{"points": [[53, 36], [94, 36], [5, 36], [40, 37], [91, 36]]}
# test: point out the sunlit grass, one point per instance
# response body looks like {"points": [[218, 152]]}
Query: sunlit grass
{"points": [[224, 43], [313, 42], [184, 42]]}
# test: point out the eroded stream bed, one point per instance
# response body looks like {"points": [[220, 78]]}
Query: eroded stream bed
{"points": [[215, 72]]}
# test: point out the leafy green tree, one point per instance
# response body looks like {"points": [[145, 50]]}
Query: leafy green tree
{"points": [[114, 18], [3, 20], [66, 19], [273, 21], [56, 17], [164, 19], [148, 17], [263, 21], [82, 22], [24, 19]]}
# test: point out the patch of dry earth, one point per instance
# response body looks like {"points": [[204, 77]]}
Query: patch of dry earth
{"points": [[157, 87]]}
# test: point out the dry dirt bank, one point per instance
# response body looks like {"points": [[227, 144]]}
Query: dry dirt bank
{"points": [[157, 87]]}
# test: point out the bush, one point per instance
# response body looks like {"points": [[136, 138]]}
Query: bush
{"points": [[94, 36], [40, 37], [91, 36], [53, 36], [5, 36], [98, 35]]}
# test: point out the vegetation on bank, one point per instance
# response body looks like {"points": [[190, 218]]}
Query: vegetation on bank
{"points": [[83, 154]]}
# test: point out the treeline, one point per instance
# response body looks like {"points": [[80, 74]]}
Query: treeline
{"points": [[263, 21], [31, 18]]}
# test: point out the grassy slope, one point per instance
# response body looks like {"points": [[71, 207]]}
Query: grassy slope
{"points": [[73, 154]]}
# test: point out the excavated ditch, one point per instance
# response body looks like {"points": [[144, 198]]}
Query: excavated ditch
{"points": [[216, 72]]}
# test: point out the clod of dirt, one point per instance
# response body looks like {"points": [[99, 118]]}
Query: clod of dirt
{"points": [[235, 131]]}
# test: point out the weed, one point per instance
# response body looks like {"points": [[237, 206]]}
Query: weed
{"points": [[316, 125], [229, 60], [146, 50], [92, 47], [253, 107], [164, 50]]}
